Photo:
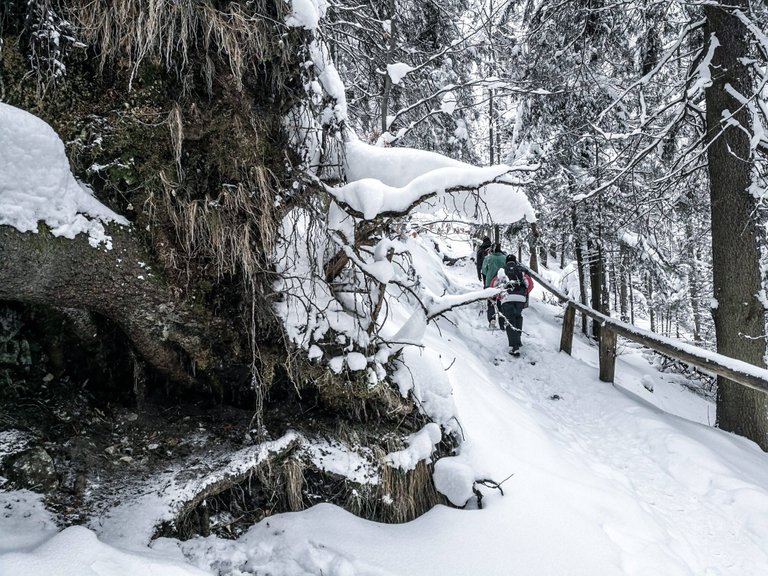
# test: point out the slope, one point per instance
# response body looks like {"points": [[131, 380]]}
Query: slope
{"points": [[609, 480]]}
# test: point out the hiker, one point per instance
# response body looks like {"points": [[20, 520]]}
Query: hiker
{"points": [[492, 264], [499, 280], [482, 252], [513, 301]]}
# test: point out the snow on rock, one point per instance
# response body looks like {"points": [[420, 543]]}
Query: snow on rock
{"points": [[336, 364], [341, 460], [132, 523], [420, 447], [36, 183], [356, 361], [454, 479], [13, 441], [397, 71], [421, 373]]}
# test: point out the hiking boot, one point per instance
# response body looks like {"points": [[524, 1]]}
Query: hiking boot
{"points": [[514, 351]]}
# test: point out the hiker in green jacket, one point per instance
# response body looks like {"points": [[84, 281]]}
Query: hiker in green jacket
{"points": [[491, 265]]}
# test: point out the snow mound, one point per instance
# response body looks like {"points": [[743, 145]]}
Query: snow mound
{"points": [[454, 480], [36, 184], [76, 551]]}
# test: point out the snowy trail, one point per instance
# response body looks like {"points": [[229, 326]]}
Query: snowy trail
{"points": [[605, 480], [671, 508]]}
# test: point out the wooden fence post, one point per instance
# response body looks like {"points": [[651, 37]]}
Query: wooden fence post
{"points": [[566, 338], [607, 353]]}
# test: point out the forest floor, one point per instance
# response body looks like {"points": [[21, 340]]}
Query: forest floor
{"points": [[101, 450]]}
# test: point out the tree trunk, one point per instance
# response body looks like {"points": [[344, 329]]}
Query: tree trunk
{"points": [[562, 248], [171, 334], [534, 246], [651, 315], [387, 90], [491, 128], [623, 280], [579, 267], [694, 290], [739, 315], [595, 282]]}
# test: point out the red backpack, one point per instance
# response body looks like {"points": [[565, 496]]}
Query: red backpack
{"points": [[529, 286]]}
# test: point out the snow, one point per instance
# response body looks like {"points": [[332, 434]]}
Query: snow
{"points": [[341, 461], [703, 75], [454, 479], [77, 551], [617, 480], [397, 71], [448, 103], [420, 447], [37, 185], [392, 179], [356, 361], [610, 480], [306, 13]]}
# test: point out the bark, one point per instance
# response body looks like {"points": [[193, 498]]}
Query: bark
{"points": [[739, 316], [387, 90], [563, 245], [171, 334], [595, 282], [579, 267], [651, 314], [534, 260], [623, 291], [694, 289]]}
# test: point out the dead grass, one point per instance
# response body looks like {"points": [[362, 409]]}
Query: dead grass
{"points": [[184, 35], [233, 231]]}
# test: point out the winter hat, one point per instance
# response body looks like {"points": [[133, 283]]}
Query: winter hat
{"points": [[511, 258], [486, 241]]}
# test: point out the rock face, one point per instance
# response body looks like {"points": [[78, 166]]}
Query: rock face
{"points": [[34, 470]]}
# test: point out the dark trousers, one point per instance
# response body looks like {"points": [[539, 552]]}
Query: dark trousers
{"points": [[513, 313], [494, 310]]}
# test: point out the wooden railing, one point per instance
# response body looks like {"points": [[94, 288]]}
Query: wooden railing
{"points": [[735, 370]]}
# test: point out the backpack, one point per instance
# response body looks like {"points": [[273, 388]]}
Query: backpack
{"points": [[529, 284], [528, 287]]}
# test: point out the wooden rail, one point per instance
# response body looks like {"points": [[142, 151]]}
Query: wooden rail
{"points": [[739, 371]]}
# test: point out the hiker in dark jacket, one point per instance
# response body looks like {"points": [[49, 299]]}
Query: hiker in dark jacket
{"points": [[482, 252], [492, 264], [512, 302]]}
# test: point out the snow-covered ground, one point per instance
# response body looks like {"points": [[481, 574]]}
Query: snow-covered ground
{"points": [[600, 480]]}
